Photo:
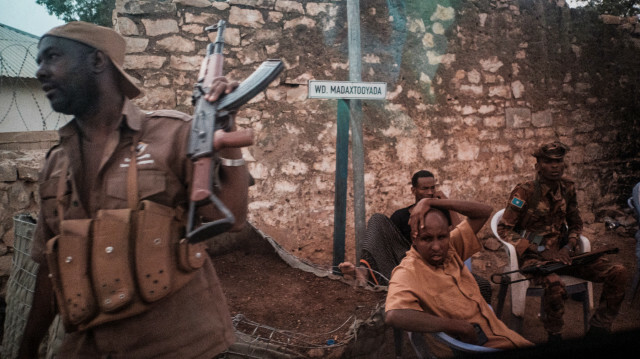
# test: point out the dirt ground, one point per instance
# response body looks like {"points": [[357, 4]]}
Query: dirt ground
{"points": [[263, 288]]}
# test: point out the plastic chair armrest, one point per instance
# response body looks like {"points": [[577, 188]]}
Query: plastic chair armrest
{"points": [[584, 245], [462, 346]]}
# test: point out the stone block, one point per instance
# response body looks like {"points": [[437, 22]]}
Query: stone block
{"points": [[500, 91], [517, 88], [232, 36], [274, 16], [145, 7], [428, 41], [202, 18], [186, 63], [518, 117], [245, 17], [315, 9], [443, 13], [300, 21], [194, 3], [176, 43], [28, 171], [297, 94], [19, 196], [433, 150], [136, 44], [160, 26], [126, 27], [467, 151], [289, 6], [254, 3], [138, 62], [542, 119], [8, 171], [491, 64], [251, 56], [472, 90], [416, 25], [474, 76]]}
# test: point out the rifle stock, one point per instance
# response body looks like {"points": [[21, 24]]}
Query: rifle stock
{"points": [[205, 139]]}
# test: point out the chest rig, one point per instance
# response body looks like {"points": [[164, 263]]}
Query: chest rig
{"points": [[120, 262], [530, 217]]}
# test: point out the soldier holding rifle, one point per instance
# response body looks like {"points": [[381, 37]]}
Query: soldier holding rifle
{"points": [[543, 222], [110, 238]]}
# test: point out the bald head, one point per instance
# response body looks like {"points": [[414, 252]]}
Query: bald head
{"points": [[432, 241]]}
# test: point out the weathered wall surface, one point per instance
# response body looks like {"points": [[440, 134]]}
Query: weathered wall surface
{"points": [[473, 87]]}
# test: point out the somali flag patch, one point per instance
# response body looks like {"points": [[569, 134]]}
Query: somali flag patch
{"points": [[517, 202]]}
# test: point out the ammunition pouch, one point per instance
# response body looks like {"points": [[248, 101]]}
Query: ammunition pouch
{"points": [[115, 265], [68, 260]]}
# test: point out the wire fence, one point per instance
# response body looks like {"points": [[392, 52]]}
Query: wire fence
{"points": [[23, 104]]}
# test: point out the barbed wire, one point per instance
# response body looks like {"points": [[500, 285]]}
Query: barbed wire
{"points": [[287, 338], [23, 105]]}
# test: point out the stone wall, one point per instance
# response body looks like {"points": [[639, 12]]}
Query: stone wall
{"points": [[18, 195], [473, 87]]}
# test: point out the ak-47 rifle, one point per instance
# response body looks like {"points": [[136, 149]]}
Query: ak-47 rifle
{"points": [[551, 267], [210, 117]]}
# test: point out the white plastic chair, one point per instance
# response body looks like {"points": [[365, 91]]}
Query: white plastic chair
{"points": [[520, 290]]}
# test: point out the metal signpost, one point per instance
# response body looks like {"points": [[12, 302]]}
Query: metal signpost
{"points": [[343, 91]]}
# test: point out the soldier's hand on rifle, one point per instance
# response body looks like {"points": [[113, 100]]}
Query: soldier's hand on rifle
{"points": [[563, 255], [219, 87]]}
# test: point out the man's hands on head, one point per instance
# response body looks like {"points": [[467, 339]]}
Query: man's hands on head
{"points": [[477, 213], [440, 194], [416, 219]]}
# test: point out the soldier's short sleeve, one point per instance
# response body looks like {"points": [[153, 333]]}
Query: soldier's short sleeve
{"points": [[574, 221], [514, 211]]}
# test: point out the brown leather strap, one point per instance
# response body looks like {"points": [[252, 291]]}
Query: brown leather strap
{"points": [[132, 181], [132, 176], [62, 184]]}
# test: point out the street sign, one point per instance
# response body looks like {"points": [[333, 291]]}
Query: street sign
{"points": [[347, 90]]}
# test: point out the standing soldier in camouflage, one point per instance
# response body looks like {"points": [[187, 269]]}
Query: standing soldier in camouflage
{"points": [[542, 221]]}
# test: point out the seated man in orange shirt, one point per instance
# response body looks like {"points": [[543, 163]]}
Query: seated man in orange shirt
{"points": [[432, 290], [386, 240]]}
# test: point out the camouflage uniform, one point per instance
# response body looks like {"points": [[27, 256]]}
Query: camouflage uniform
{"points": [[539, 212]]}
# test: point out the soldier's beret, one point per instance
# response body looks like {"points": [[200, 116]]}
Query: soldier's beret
{"points": [[553, 150]]}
